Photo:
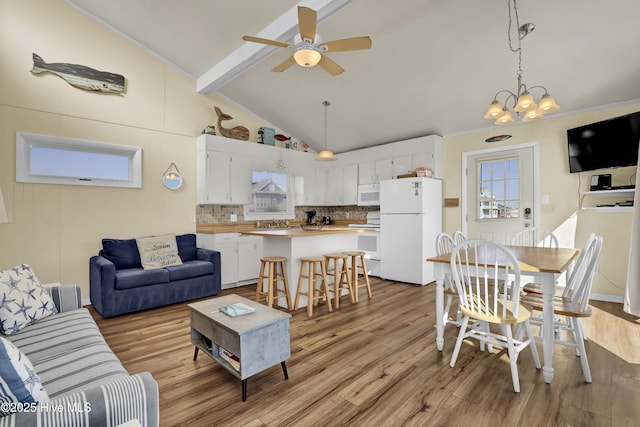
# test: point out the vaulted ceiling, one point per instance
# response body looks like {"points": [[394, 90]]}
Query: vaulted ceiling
{"points": [[434, 67]]}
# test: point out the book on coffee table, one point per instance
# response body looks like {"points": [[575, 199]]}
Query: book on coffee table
{"points": [[237, 309]]}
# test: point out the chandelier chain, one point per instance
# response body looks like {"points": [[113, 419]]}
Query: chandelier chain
{"points": [[326, 104], [520, 37]]}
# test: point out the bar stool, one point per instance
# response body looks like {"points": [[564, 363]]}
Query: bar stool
{"points": [[356, 268], [274, 276], [316, 274], [338, 267]]}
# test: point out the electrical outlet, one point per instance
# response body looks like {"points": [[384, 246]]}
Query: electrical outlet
{"points": [[233, 218]]}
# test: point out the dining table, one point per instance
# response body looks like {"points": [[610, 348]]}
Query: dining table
{"points": [[542, 265]]}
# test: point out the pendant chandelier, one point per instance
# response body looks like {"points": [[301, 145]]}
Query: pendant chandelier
{"points": [[325, 155], [521, 101]]}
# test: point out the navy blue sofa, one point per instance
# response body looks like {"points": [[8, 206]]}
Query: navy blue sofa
{"points": [[119, 284]]}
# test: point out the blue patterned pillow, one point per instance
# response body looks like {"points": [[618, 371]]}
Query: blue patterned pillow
{"points": [[23, 300], [18, 380]]}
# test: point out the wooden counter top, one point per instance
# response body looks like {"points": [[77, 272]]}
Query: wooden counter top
{"points": [[287, 233], [249, 226]]}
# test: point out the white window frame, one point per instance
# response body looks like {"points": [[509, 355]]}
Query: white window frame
{"points": [[290, 210], [25, 141]]}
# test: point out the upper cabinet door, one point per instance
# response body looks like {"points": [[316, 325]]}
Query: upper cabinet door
{"points": [[223, 178], [334, 186], [240, 179], [214, 177], [384, 170], [401, 166], [350, 185], [366, 173]]}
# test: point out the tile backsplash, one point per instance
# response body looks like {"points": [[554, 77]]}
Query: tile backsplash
{"points": [[219, 214]]}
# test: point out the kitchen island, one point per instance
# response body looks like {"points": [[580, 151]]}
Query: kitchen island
{"points": [[296, 243]]}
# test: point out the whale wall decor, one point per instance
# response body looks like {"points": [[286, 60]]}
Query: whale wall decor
{"points": [[81, 76]]}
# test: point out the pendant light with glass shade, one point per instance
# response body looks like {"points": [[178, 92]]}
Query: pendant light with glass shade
{"points": [[523, 101], [325, 155]]}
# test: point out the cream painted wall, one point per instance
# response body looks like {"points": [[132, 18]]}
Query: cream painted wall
{"points": [[561, 187], [56, 228]]}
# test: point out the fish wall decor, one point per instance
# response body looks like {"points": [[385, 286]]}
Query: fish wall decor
{"points": [[81, 76]]}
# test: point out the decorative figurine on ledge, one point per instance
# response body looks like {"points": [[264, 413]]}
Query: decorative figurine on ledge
{"points": [[238, 132], [209, 130]]}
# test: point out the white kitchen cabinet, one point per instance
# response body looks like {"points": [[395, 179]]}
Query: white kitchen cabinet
{"points": [[409, 163], [315, 186], [309, 185], [227, 245], [318, 191], [366, 172], [333, 187], [402, 165], [249, 254], [239, 256], [350, 185], [384, 169], [240, 180], [223, 178], [342, 185], [375, 171], [424, 159], [298, 198]]}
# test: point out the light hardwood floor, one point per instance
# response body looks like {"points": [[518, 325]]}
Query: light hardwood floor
{"points": [[375, 363]]}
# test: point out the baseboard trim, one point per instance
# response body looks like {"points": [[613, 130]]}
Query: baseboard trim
{"points": [[607, 298]]}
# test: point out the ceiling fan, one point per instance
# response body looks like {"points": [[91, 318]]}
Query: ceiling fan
{"points": [[309, 46]]}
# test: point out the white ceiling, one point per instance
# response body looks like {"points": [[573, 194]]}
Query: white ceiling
{"points": [[434, 66]]}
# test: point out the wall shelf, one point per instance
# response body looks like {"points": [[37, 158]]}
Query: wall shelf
{"points": [[624, 193]]}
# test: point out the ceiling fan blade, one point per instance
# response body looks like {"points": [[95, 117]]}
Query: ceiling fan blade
{"points": [[307, 22], [265, 41], [284, 65], [330, 66], [355, 43]]}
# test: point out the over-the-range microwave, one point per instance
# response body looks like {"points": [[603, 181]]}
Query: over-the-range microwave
{"points": [[369, 195]]}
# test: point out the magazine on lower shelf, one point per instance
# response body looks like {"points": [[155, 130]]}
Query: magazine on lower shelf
{"points": [[231, 358]]}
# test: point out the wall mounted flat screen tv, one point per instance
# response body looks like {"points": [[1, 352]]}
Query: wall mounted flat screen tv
{"points": [[610, 143]]}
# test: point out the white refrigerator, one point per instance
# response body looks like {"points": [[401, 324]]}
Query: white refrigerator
{"points": [[410, 220]]}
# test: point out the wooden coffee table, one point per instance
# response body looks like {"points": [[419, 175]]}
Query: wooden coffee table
{"points": [[260, 339]]}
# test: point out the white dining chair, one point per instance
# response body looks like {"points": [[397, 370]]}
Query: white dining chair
{"points": [[459, 236], [573, 305], [534, 288], [445, 245], [535, 236], [487, 277]]}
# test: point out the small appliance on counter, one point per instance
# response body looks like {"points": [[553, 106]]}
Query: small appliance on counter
{"points": [[326, 220], [311, 217]]}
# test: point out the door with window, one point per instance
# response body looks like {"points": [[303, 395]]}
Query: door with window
{"points": [[500, 192]]}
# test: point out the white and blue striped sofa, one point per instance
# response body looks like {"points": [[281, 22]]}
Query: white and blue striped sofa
{"points": [[86, 383]]}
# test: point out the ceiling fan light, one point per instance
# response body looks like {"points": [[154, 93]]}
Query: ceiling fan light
{"points": [[307, 57], [494, 111], [505, 118], [547, 104], [326, 156], [525, 101], [532, 114]]}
